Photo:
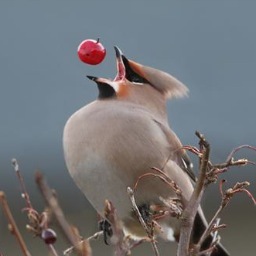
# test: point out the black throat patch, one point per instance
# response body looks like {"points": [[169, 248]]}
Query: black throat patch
{"points": [[105, 91]]}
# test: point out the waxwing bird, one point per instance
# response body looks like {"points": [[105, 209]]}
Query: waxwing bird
{"points": [[111, 142]]}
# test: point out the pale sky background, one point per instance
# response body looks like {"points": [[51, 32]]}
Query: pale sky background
{"points": [[208, 45]]}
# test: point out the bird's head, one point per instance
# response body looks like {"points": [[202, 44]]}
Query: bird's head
{"points": [[132, 74], [141, 85]]}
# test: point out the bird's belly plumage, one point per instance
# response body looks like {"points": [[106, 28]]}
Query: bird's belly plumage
{"points": [[108, 151]]}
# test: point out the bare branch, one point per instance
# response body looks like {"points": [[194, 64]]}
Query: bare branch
{"points": [[52, 201], [12, 224], [189, 213]]}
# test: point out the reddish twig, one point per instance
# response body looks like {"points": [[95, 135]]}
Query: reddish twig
{"points": [[237, 149], [193, 150], [162, 176], [238, 188], [221, 187]]}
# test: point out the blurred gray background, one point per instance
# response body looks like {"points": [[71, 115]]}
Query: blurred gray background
{"points": [[209, 45]]}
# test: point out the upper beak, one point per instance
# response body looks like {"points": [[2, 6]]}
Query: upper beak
{"points": [[93, 78], [121, 73], [100, 80], [118, 52]]}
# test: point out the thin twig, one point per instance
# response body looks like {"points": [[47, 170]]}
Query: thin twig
{"points": [[232, 162], [93, 237], [13, 227], [52, 250], [144, 225], [163, 177], [209, 229], [215, 229], [84, 244], [22, 183]]}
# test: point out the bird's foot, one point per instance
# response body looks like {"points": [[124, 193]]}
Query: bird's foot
{"points": [[105, 226]]}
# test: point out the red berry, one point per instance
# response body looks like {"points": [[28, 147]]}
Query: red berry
{"points": [[49, 236], [91, 52]]}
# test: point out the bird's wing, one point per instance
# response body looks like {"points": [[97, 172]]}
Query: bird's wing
{"points": [[177, 153]]}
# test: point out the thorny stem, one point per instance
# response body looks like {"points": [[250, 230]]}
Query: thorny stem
{"points": [[13, 227], [144, 225]]}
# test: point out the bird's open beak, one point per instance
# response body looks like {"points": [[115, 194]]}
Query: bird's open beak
{"points": [[126, 70], [121, 70]]}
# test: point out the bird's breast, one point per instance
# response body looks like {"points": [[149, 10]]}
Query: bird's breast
{"points": [[108, 147]]}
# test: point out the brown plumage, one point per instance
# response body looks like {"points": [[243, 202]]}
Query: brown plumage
{"points": [[112, 141]]}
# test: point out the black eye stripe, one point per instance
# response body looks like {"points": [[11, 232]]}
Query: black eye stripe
{"points": [[131, 75]]}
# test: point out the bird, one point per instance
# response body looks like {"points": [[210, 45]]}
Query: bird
{"points": [[113, 141]]}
